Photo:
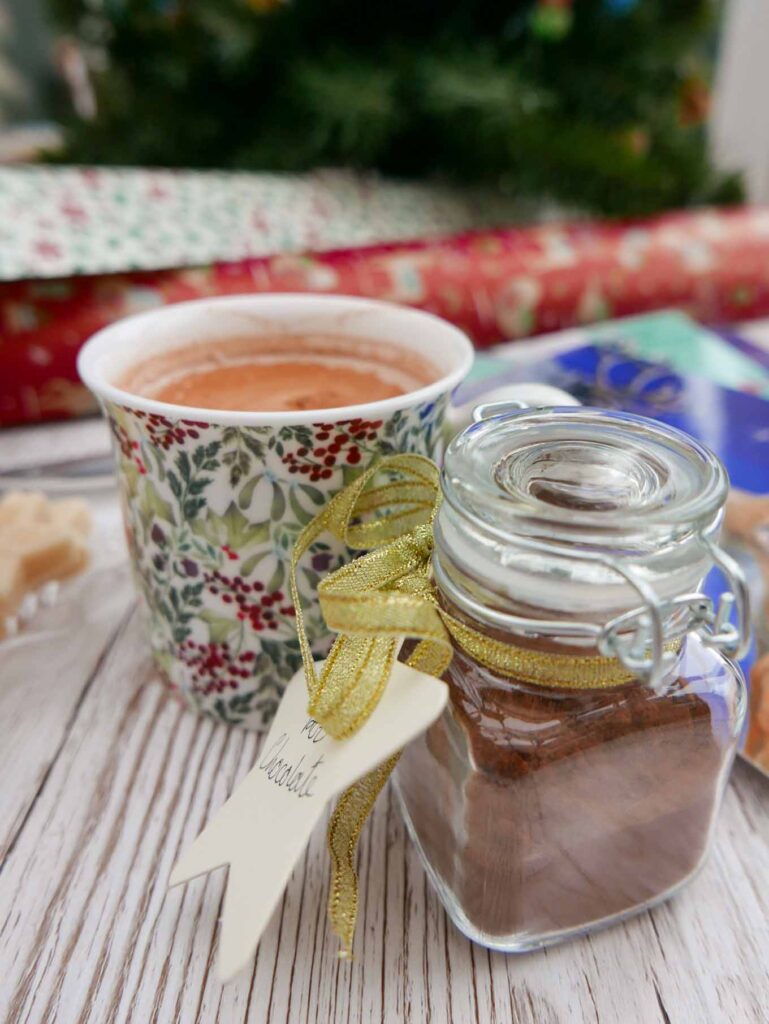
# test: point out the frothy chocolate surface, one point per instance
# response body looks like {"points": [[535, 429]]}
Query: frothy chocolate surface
{"points": [[280, 373]]}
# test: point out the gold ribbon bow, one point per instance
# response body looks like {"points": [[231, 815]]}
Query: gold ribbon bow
{"points": [[373, 603]]}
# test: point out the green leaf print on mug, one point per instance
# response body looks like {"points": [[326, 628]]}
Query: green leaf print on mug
{"points": [[220, 629], [232, 530], [151, 507]]}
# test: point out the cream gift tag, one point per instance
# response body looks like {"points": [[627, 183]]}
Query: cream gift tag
{"points": [[264, 827]]}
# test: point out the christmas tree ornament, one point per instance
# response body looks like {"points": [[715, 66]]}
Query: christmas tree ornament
{"points": [[637, 140], [694, 100], [620, 6], [551, 20], [264, 6]]}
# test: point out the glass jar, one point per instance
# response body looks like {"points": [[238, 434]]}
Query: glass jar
{"points": [[582, 785]]}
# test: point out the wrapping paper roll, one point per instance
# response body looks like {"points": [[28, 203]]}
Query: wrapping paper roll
{"points": [[499, 284]]}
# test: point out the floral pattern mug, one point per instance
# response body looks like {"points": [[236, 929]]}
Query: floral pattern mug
{"points": [[213, 500]]}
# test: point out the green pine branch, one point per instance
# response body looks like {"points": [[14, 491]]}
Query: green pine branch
{"points": [[464, 90]]}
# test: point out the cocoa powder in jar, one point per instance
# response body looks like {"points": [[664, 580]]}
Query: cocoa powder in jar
{"points": [[544, 810]]}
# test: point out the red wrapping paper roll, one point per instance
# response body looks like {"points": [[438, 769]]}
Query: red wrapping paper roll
{"points": [[496, 285]]}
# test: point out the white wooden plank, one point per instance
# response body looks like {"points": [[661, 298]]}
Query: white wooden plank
{"points": [[90, 935], [46, 668], [44, 675]]}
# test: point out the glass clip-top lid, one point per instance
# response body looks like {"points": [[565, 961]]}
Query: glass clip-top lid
{"points": [[578, 504]]}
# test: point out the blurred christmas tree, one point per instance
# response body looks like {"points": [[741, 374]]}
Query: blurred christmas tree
{"points": [[12, 90], [600, 103]]}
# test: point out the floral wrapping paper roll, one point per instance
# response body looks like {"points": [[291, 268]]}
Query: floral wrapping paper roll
{"points": [[58, 221], [499, 284]]}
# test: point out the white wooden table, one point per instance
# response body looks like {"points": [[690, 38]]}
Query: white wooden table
{"points": [[103, 779]]}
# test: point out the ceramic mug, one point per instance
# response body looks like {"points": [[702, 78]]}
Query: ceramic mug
{"points": [[213, 500]]}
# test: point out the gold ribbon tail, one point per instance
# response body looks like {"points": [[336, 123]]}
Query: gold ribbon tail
{"points": [[347, 820], [372, 603]]}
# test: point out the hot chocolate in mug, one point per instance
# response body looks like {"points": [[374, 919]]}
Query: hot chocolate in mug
{"points": [[214, 499]]}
